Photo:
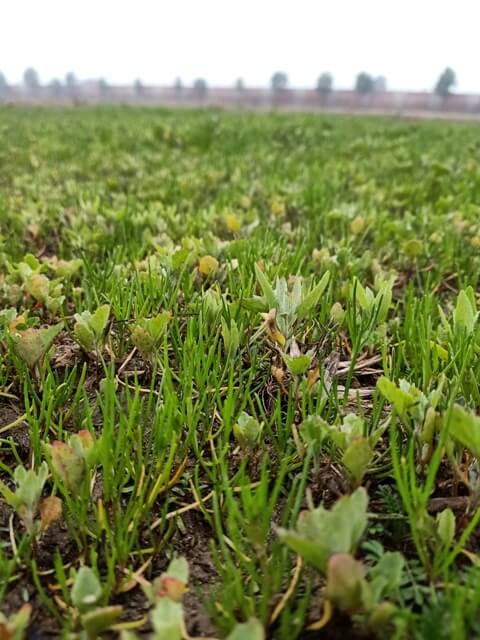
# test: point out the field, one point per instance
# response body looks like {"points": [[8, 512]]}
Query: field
{"points": [[239, 376]]}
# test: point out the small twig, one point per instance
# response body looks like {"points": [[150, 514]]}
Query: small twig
{"points": [[288, 593], [126, 361], [13, 424]]}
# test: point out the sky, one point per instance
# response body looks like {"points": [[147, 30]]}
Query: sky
{"points": [[407, 41]]}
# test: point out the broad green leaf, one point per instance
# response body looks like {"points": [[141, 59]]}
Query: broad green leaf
{"points": [[100, 619], [464, 315], [247, 430], [86, 589], [84, 335], [399, 398], [299, 364], [312, 298], [98, 320], [464, 427], [446, 527], [167, 620], [251, 630], [178, 568], [321, 533], [266, 288], [357, 458], [156, 326]]}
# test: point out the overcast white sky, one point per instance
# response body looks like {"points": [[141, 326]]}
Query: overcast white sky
{"points": [[408, 41]]}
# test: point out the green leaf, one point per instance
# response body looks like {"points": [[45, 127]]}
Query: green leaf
{"points": [[100, 619], [247, 430], [299, 364], [178, 568], [84, 335], [167, 620], [86, 589], [464, 427], [251, 630], [32, 344], [400, 399], [357, 458], [98, 320], [321, 533], [464, 315], [446, 527], [156, 326], [266, 288], [313, 297]]}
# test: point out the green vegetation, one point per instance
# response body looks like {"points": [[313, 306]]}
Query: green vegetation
{"points": [[239, 376]]}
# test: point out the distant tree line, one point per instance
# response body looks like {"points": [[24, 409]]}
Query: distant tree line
{"points": [[365, 85]]}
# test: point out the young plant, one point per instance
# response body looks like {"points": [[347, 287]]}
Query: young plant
{"points": [[32, 345], [147, 333], [166, 594], [290, 306], [85, 595], [89, 328], [71, 460], [26, 497], [321, 533], [247, 431]]}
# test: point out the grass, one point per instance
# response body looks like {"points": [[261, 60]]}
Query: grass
{"points": [[215, 326]]}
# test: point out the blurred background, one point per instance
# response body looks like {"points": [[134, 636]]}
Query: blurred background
{"points": [[299, 55]]}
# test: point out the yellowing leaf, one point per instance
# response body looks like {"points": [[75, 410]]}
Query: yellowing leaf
{"points": [[208, 265], [32, 344], [50, 511], [233, 223]]}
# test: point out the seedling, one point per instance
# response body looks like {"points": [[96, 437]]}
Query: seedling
{"points": [[321, 533], [31, 345], [89, 328], [147, 333], [71, 460], [26, 497], [85, 594], [247, 431]]}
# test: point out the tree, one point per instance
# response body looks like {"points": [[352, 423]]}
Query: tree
{"points": [[445, 82], [200, 88], [325, 84], [138, 87], [56, 88], [178, 87], [3, 85], [380, 84], [31, 79], [70, 80], [279, 81], [103, 88], [239, 85], [364, 83]]}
